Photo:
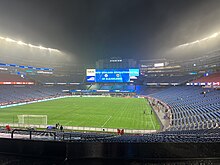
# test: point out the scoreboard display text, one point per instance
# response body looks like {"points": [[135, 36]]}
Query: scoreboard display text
{"points": [[111, 75]]}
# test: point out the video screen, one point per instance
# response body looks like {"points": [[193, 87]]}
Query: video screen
{"points": [[111, 75]]}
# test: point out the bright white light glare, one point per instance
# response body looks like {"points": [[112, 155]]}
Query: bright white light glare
{"points": [[30, 45], [198, 41], [21, 43], [214, 35], [9, 40]]}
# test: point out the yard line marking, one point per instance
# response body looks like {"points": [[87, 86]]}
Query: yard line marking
{"points": [[68, 122], [106, 121], [152, 122]]}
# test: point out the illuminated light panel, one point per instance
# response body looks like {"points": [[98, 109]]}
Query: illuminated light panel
{"points": [[21, 43], [43, 48], [214, 35], [30, 45], [198, 41], [9, 40]]}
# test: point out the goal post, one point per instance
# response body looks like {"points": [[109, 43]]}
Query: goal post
{"points": [[32, 119]]}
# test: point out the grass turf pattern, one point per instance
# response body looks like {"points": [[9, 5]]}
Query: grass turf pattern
{"points": [[106, 112]]}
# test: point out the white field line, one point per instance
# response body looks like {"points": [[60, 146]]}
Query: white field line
{"points": [[107, 121], [152, 122], [68, 122], [43, 100]]}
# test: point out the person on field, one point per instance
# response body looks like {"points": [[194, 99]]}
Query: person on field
{"points": [[61, 128]]}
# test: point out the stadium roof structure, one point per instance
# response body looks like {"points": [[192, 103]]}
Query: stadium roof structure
{"points": [[199, 41], [29, 45]]}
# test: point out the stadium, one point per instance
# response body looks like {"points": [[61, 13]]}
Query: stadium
{"points": [[114, 109]]}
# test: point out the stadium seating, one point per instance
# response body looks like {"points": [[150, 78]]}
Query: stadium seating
{"points": [[184, 136], [168, 79], [211, 78], [15, 94], [145, 90], [129, 87], [56, 79], [5, 77], [172, 137], [111, 87], [106, 87], [192, 108], [206, 135]]}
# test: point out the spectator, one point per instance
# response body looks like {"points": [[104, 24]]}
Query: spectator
{"points": [[8, 128], [122, 132], [118, 131], [61, 128]]}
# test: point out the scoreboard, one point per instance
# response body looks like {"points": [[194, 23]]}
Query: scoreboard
{"points": [[111, 75]]}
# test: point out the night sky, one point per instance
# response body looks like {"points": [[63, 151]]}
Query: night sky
{"points": [[94, 29]]}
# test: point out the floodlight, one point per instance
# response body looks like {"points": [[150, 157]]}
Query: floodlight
{"points": [[214, 35], [21, 43], [198, 41], [30, 45], [9, 40]]}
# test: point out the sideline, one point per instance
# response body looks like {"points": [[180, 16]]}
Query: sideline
{"points": [[85, 129], [43, 100]]}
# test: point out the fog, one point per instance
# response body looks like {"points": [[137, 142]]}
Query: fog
{"points": [[85, 31]]}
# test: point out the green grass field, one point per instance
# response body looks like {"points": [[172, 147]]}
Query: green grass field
{"points": [[108, 112]]}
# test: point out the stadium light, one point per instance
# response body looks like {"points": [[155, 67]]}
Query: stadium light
{"points": [[9, 40], [198, 41], [21, 43], [43, 48], [214, 35], [30, 45]]}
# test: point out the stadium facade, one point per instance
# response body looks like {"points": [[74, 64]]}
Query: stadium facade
{"points": [[184, 95]]}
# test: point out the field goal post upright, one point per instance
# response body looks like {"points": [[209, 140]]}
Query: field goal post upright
{"points": [[32, 119]]}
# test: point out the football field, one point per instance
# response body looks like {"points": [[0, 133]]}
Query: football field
{"points": [[100, 112]]}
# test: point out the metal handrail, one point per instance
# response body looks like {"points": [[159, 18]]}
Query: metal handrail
{"points": [[31, 131]]}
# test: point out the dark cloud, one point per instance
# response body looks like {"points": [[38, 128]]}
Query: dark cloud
{"points": [[93, 29]]}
